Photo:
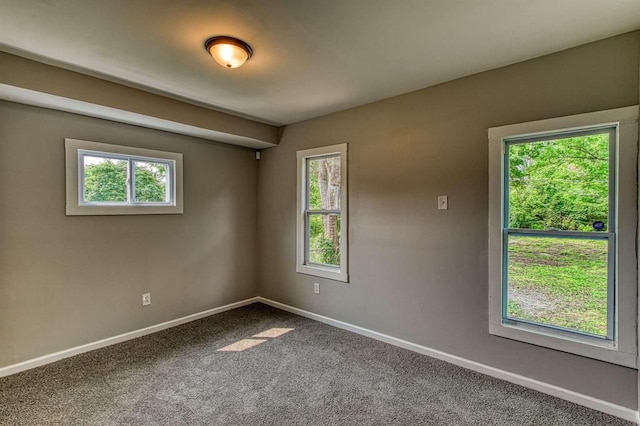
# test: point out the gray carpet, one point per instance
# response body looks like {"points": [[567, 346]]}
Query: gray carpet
{"points": [[312, 375]]}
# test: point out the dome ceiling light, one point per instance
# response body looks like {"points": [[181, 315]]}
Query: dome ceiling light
{"points": [[228, 51]]}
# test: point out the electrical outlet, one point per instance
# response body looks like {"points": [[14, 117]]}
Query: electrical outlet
{"points": [[316, 288], [146, 299], [443, 202]]}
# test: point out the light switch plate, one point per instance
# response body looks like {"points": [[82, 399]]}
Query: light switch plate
{"points": [[146, 299], [443, 202]]}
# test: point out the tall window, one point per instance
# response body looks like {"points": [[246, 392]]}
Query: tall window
{"points": [[322, 219], [559, 231], [554, 249], [111, 179]]}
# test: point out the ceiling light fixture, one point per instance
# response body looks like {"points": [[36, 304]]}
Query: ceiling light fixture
{"points": [[228, 51]]}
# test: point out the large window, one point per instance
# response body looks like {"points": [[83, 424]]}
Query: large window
{"points": [[322, 216], [562, 221], [110, 179]]}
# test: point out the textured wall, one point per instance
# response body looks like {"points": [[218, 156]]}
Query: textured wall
{"points": [[418, 273], [66, 281]]}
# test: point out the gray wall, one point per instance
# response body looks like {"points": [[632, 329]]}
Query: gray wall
{"points": [[66, 281], [418, 273]]}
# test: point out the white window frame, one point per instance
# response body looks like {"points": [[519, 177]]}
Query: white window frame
{"points": [[621, 348], [339, 273], [76, 149]]}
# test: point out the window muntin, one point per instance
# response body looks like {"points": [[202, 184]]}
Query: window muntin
{"points": [[321, 225], [619, 345], [105, 179], [558, 255]]}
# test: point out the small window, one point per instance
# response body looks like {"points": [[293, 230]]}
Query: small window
{"points": [[561, 251], [322, 218], [108, 179], [104, 179]]}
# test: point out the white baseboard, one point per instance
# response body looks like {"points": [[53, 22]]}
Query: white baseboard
{"points": [[575, 397], [566, 394], [47, 359]]}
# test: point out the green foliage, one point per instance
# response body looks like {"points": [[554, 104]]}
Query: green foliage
{"points": [[322, 248], [315, 199], [560, 184], [106, 182], [150, 182], [324, 251]]}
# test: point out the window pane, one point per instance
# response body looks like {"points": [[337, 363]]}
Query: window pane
{"points": [[560, 184], [558, 281], [324, 183], [324, 239], [105, 179], [151, 182]]}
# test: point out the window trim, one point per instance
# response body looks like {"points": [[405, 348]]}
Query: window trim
{"points": [[622, 349], [302, 264], [76, 149]]}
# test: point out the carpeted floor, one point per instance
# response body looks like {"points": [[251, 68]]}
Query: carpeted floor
{"points": [[312, 375]]}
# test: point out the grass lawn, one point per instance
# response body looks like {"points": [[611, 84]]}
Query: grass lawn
{"points": [[561, 282]]}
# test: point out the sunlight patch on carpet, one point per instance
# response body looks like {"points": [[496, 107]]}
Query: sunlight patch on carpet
{"points": [[242, 345]]}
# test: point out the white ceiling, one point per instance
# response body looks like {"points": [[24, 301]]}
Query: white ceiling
{"points": [[311, 57]]}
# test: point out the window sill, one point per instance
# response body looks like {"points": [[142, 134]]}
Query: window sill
{"points": [[600, 349], [323, 272], [94, 210]]}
